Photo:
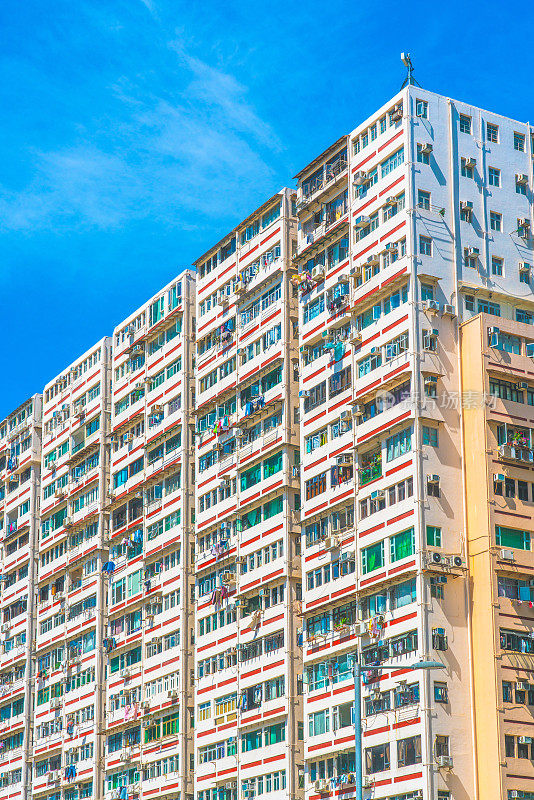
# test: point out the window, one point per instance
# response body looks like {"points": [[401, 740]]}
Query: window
{"points": [[509, 746], [495, 221], [319, 722], [467, 167], [402, 545], [521, 185], [465, 123], [425, 245], [373, 557], [496, 265], [403, 594], [441, 694], [392, 162], [430, 436], [441, 746], [399, 444], [423, 199], [488, 307], [409, 751], [519, 142], [376, 758], [421, 109], [511, 537], [492, 133], [494, 175], [433, 536], [423, 156], [316, 486]]}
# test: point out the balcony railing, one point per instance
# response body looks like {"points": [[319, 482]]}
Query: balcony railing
{"points": [[370, 472], [515, 452]]}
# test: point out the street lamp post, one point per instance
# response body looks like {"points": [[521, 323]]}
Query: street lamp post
{"points": [[357, 672]]}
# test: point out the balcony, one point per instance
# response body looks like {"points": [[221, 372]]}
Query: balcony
{"points": [[516, 452], [371, 469]]}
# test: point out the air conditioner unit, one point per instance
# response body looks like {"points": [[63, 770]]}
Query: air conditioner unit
{"points": [[362, 221], [444, 762], [355, 337], [430, 305], [359, 410], [391, 200], [360, 178], [55, 702], [457, 561], [439, 559], [331, 543], [466, 205], [449, 310], [345, 458], [427, 148], [524, 267], [470, 162], [52, 775], [345, 415], [172, 694], [499, 477], [126, 754], [493, 331], [513, 793], [145, 704], [523, 222], [521, 178], [125, 672], [373, 260], [318, 271], [507, 555], [378, 494], [433, 479], [396, 114], [5, 627], [67, 522], [321, 786], [304, 393], [522, 687], [522, 385], [430, 380]]}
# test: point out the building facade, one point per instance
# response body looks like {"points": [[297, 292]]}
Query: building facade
{"points": [[20, 475], [69, 713], [315, 448], [149, 689], [407, 224], [248, 701]]}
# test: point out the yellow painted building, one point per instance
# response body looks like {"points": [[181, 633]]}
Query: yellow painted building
{"points": [[498, 433]]}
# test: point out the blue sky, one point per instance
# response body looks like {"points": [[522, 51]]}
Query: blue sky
{"points": [[136, 132]]}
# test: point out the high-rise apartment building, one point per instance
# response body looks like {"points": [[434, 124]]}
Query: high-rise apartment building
{"points": [[413, 220], [314, 451], [69, 673], [20, 468], [248, 734], [149, 687]]}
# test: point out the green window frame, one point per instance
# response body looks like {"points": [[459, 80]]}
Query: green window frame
{"points": [[433, 536], [272, 465], [373, 557], [402, 545], [511, 537]]}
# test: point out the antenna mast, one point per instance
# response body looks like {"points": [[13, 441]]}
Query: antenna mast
{"points": [[409, 80]]}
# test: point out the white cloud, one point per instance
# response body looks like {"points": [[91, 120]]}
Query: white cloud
{"points": [[160, 157]]}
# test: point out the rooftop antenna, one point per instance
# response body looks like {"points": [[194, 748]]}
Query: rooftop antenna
{"points": [[409, 80]]}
